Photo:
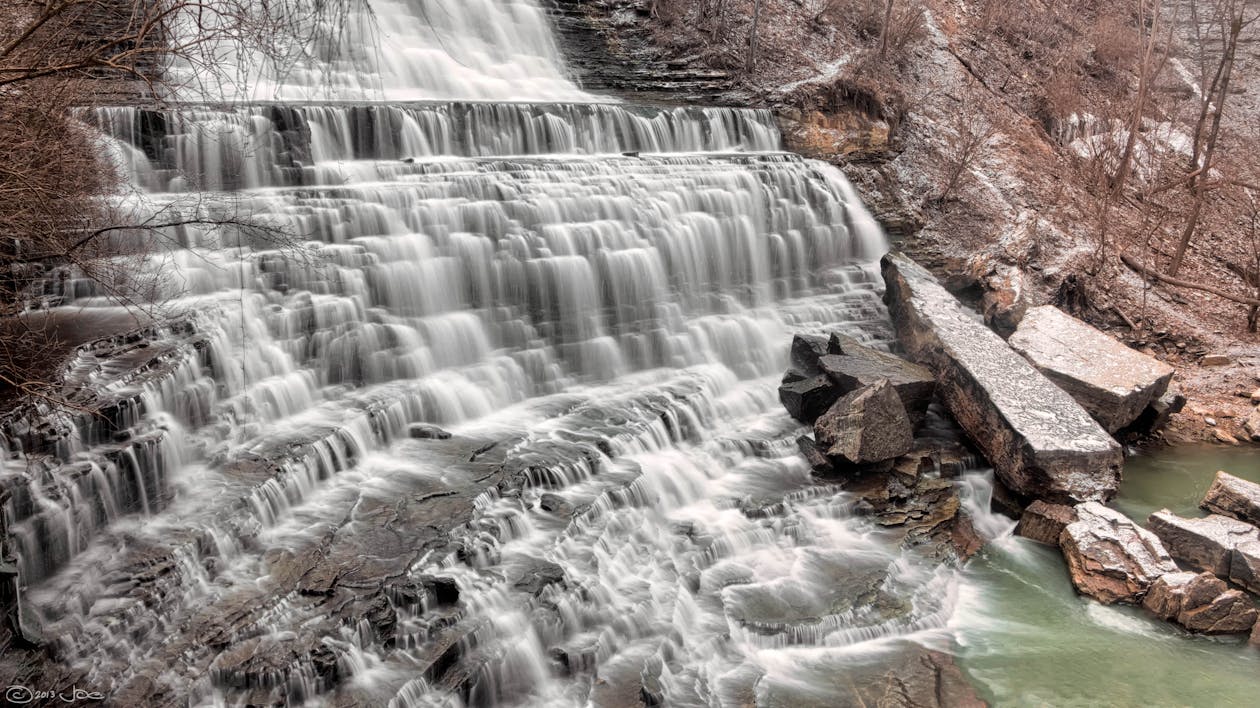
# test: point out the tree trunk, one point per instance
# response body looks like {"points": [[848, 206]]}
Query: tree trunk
{"points": [[1196, 183], [883, 30], [751, 62]]}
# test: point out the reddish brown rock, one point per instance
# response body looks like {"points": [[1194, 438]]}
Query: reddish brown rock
{"points": [[1044, 523], [1202, 544], [1201, 603], [1110, 558], [865, 426], [1233, 496]]}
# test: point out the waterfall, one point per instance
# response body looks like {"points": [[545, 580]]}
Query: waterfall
{"points": [[595, 299]]}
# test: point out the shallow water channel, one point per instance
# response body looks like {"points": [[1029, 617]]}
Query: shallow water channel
{"points": [[1026, 639]]}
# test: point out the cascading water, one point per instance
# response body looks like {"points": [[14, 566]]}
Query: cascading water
{"points": [[594, 298]]}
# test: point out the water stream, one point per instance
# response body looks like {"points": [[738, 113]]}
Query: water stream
{"points": [[595, 300]]}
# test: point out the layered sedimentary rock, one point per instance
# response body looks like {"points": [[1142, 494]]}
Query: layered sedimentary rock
{"points": [[1041, 443], [1044, 522], [1203, 544], [1110, 558], [1111, 381], [853, 365], [867, 425], [1200, 603], [1233, 496]]}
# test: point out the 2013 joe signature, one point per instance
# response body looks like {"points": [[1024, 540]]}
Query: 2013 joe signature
{"points": [[22, 695]]}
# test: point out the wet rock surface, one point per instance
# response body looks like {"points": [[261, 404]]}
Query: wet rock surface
{"points": [[1110, 380], [1233, 496], [807, 398], [1202, 544], [865, 426], [1040, 441], [1201, 603], [1044, 523], [853, 365], [1110, 558]]}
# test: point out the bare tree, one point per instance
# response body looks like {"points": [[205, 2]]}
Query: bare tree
{"points": [[59, 226], [1233, 21]]}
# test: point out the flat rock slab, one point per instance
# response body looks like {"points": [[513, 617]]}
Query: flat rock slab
{"points": [[1041, 442], [1113, 382], [853, 365], [1110, 558], [1203, 544], [1201, 603], [1233, 496], [1044, 523]]}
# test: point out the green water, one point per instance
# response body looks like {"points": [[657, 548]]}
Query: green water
{"points": [[1028, 640]]}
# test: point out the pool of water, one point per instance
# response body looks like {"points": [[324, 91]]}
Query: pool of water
{"points": [[1027, 639]]}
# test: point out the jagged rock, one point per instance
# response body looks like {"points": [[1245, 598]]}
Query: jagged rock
{"points": [[1109, 557], [1216, 360], [853, 365], [1201, 603], [533, 575], [814, 456], [1252, 424], [1044, 522], [1111, 381], [806, 350], [1203, 544], [555, 504], [1244, 565], [1041, 443], [426, 431], [865, 426], [1233, 496], [1004, 302], [807, 399], [1157, 415]]}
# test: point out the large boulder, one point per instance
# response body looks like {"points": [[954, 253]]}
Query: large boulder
{"points": [[1044, 522], [807, 398], [1110, 558], [1041, 443], [1200, 603], [1157, 415], [853, 365], [1233, 496], [865, 426], [1113, 382], [1203, 544], [806, 349]]}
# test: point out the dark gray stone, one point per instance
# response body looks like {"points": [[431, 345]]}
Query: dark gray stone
{"points": [[426, 431], [1113, 382], [806, 350], [1040, 441], [807, 399], [814, 456], [858, 365], [865, 426]]}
